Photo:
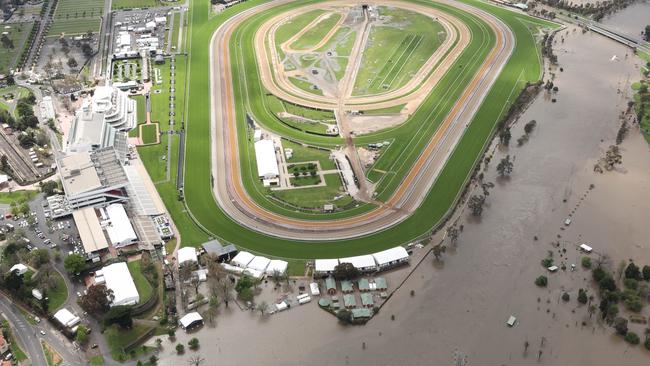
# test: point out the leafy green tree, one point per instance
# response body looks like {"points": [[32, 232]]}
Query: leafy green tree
{"points": [[566, 297], [647, 342], [582, 296], [97, 300], [505, 166], [632, 271], [646, 273], [246, 294], [245, 282], [49, 188], [82, 334], [607, 283], [344, 316], [180, 349], [586, 262], [541, 281], [475, 203], [194, 344], [120, 315], [74, 263], [632, 338], [598, 274], [620, 324], [346, 271]]}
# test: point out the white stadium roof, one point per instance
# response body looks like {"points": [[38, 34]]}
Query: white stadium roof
{"points": [[242, 259], [187, 254], [325, 265], [390, 255], [267, 164], [119, 280], [90, 230]]}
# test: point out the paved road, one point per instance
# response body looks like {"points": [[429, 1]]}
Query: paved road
{"points": [[23, 332], [235, 201]]}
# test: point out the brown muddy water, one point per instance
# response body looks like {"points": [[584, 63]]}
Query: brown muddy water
{"points": [[460, 306]]}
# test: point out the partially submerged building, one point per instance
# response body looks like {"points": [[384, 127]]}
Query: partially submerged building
{"points": [[190, 321]]}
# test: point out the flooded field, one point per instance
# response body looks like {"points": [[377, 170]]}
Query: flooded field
{"points": [[631, 20], [460, 305]]}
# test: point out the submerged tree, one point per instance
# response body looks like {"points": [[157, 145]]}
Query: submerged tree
{"points": [[505, 166]]}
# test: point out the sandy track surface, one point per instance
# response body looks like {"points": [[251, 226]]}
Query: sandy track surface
{"points": [[235, 201]]}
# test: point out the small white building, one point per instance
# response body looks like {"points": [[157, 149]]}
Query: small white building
{"points": [[66, 318], [324, 267], [391, 258], [37, 294], [19, 268], [191, 320], [187, 255], [242, 259], [118, 279]]}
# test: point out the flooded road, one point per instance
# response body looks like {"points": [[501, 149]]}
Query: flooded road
{"points": [[460, 306]]}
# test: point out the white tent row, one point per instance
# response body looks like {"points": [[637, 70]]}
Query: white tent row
{"points": [[371, 262], [187, 255], [258, 266]]}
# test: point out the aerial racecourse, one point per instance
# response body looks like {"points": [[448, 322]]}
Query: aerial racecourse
{"points": [[343, 127]]}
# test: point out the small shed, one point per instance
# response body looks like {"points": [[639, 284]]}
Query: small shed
{"points": [[346, 287], [330, 285], [585, 248], [361, 313], [367, 300], [349, 301], [364, 285]]}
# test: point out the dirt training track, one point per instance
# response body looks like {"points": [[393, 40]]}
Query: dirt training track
{"points": [[229, 190]]}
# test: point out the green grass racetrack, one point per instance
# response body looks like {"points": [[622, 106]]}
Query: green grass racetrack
{"points": [[524, 65]]}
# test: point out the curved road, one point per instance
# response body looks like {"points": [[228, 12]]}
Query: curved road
{"points": [[235, 201]]}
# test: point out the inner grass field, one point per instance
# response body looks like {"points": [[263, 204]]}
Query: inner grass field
{"points": [[317, 33], [524, 65], [133, 4], [149, 133], [396, 50]]}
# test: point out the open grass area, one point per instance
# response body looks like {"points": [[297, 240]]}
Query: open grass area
{"points": [[17, 196], [149, 133], [144, 287], [317, 33], [315, 197], [295, 24], [306, 86], [305, 180], [96, 360], [132, 4], [303, 153], [11, 51], [141, 114], [58, 294], [118, 339], [395, 52], [524, 65], [76, 17]]}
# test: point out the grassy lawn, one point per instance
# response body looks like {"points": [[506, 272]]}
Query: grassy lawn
{"points": [[296, 267], [118, 339], [149, 133], [132, 4], [523, 65], [316, 33], [294, 25], [306, 86], [311, 127], [96, 360], [144, 287], [304, 153], [396, 53], [18, 353], [388, 110], [314, 198], [304, 180], [18, 34], [17, 196], [176, 27], [59, 294]]}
